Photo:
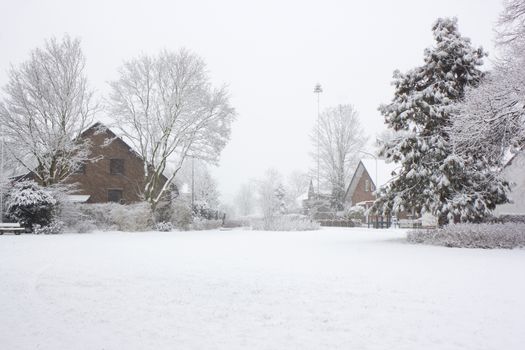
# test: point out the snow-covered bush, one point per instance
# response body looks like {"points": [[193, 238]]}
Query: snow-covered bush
{"points": [[487, 236], [69, 212], [29, 204], [200, 225], [182, 214], [293, 222], [355, 213], [54, 227], [133, 217], [113, 216], [164, 226]]}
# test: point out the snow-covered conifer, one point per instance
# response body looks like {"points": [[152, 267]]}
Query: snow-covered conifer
{"points": [[29, 204], [432, 177]]}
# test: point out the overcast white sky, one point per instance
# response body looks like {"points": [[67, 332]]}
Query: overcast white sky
{"points": [[270, 54]]}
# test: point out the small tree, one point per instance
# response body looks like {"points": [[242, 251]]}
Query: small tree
{"points": [[46, 107], [268, 200], [29, 204]]}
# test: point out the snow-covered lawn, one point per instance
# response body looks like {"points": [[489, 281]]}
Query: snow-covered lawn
{"points": [[330, 289]]}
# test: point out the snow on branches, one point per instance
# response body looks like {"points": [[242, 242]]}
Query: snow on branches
{"points": [[432, 177], [167, 109], [47, 105]]}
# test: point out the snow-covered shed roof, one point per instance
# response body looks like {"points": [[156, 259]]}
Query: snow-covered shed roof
{"points": [[384, 170], [78, 198]]}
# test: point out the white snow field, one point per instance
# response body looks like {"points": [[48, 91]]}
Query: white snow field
{"points": [[330, 289]]}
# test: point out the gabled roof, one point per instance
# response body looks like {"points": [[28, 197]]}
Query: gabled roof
{"points": [[384, 173], [384, 170]]}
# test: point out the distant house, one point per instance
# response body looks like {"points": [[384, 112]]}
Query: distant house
{"points": [[514, 173], [369, 174], [116, 175], [317, 205]]}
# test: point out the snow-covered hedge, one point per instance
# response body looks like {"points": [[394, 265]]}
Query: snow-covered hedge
{"points": [[113, 216], [203, 224], [488, 236], [291, 222], [355, 213]]}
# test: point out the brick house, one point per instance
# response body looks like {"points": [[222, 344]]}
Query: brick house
{"points": [[369, 174], [115, 175]]}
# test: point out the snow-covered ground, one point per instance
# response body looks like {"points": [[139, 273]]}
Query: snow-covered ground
{"points": [[330, 289]]}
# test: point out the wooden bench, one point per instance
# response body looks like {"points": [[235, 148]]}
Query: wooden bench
{"points": [[11, 227]]}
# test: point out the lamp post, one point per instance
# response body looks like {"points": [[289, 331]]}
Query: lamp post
{"points": [[318, 90]]}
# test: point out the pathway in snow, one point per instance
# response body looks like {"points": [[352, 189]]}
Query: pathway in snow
{"points": [[330, 289]]}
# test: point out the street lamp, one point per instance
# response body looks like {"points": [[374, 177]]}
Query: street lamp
{"points": [[318, 90]]}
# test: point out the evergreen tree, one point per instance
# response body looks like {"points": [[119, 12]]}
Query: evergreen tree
{"points": [[432, 177]]}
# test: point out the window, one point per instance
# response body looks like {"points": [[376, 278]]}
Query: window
{"points": [[116, 166], [115, 196], [367, 185], [80, 169]]}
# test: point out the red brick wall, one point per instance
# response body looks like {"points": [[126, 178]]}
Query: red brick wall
{"points": [[97, 180], [360, 195]]}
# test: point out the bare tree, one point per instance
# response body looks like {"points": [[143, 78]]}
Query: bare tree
{"points": [[167, 109], [340, 137], [491, 117], [296, 186], [47, 104], [511, 23], [268, 195], [204, 185], [244, 200]]}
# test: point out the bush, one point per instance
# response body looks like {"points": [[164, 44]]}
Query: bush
{"points": [[54, 227], [355, 213], [29, 204], [113, 216], [293, 222], [182, 215], [487, 236], [200, 225], [164, 226]]}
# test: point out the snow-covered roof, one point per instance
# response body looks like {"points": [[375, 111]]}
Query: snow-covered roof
{"points": [[384, 170], [78, 198]]}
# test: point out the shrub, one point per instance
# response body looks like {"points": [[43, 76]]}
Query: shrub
{"points": [[54, 227], [200, 225], [293, 222], [487, 236], [182, 215], [164, 226], [113, 216], [29, 204], [355, 213]]}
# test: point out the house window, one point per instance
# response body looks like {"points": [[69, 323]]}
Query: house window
{"points": [[115, 196], [367, 185], [116, 166], [80, 169]]}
